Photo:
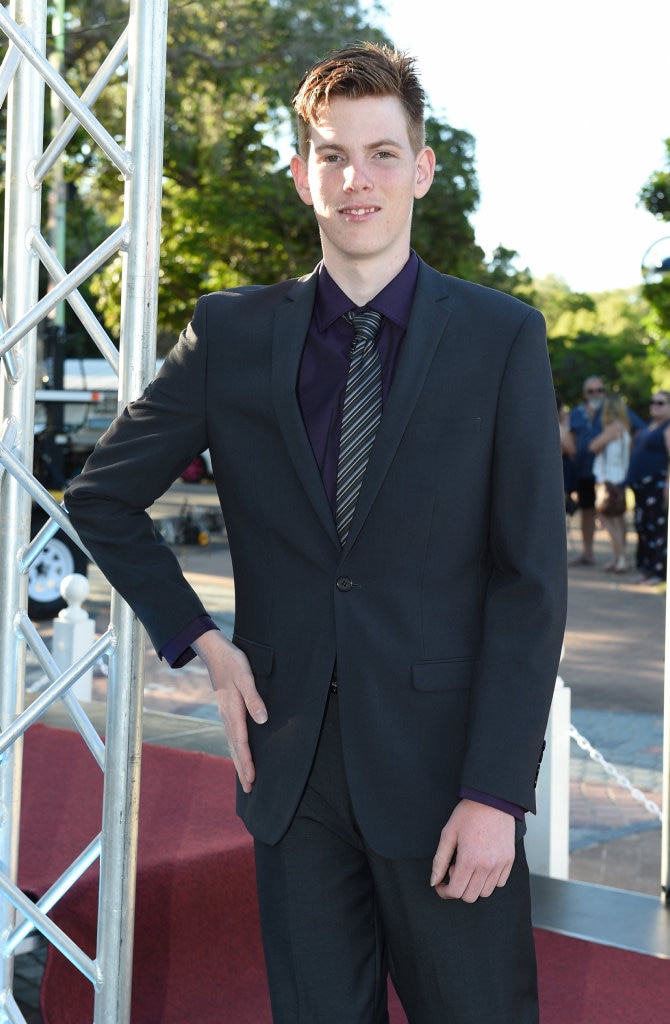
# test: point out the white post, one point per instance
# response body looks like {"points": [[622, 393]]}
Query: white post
{"points": [[548, 837], [74, 633]]}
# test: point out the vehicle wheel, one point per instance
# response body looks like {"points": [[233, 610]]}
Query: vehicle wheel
{"points": [[58, 559], [195, 471]]}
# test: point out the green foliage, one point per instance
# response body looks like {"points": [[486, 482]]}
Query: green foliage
{"points": [[602, 334], [655, 196], [441, 231], [658, 357], [501, 273]]}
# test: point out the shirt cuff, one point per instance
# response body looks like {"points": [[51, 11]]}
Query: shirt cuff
{"points": [[178, 651], [492, 801]]}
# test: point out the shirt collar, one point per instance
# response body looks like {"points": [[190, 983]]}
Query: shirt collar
{"points": [[394, 301]]}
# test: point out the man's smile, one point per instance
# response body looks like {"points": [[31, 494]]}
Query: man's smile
{"points": [[357, 211]]}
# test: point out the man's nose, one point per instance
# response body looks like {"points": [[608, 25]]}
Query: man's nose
{"points": [[356, 177]]}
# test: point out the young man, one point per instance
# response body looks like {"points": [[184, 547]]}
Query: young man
{"points": [[395, 647]]}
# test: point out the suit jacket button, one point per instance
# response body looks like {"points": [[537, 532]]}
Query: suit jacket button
{"points": [[344, 584]]}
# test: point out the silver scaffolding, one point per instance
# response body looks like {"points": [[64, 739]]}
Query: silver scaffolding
{"points": [[25, 75]]}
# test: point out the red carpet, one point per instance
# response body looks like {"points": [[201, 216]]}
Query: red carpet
{"points": [[198, 954], [197, 944], [585, 983]]}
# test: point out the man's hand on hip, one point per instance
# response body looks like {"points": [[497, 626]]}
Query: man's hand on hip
{"points": [[236, 695]]}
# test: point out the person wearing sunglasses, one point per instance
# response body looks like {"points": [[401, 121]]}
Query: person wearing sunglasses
{"points": [[648, 478], [585, 426]]}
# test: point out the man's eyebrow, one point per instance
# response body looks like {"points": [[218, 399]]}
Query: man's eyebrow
{"points": [[381, 144], [327, 145], [386, 144]]}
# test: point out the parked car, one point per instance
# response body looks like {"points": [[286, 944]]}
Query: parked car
{"points": [[68, 424]]}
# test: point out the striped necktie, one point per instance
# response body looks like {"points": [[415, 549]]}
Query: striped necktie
{"points": [[361, 414]]}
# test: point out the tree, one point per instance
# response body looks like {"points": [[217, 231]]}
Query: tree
{"points": [[602, 334], [501, 273], [655, 196], [441, 232], [230, 214]]}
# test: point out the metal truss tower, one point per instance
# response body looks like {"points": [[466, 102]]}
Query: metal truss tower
{"points": [[25, 76]]}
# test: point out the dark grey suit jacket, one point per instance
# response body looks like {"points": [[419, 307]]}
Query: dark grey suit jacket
{"points": [[445, 612]]}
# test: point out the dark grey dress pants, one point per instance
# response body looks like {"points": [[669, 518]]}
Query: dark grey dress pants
{"points": [[336, 918]]}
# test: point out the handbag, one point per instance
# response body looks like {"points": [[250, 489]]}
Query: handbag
{"points": [[611, 500]]}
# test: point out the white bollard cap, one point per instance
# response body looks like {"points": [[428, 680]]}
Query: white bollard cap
{"points": [[74, 589]]}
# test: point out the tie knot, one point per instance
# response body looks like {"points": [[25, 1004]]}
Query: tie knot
{"points": [[365, 322]]}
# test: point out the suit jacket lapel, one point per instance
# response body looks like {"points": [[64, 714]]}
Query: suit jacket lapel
{"points": [[428, 322], [290, 330]]}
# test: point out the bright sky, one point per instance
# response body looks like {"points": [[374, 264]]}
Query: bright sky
{"points": [[569, 105]]}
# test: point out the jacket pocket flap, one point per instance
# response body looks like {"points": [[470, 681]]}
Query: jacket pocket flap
{"points": [[451, 674]]}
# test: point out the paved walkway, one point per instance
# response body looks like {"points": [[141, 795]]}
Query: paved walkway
{"points": [[613, 664]]}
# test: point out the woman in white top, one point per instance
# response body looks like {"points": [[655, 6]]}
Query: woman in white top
{"points": [[610, 466]]}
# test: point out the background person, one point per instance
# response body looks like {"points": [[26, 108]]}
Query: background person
{"points": [[568, 451], [585, 426], [648, 477], [388, 686], [611, 449]]}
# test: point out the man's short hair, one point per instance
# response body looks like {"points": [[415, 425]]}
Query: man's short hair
{"points": [[354, 72]]}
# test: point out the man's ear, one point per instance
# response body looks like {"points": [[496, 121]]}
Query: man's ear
{"points": [[425, 171], [300, 178]]}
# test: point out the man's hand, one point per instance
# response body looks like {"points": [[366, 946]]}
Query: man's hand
{"points": [[475, 854], [236, 694]]}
